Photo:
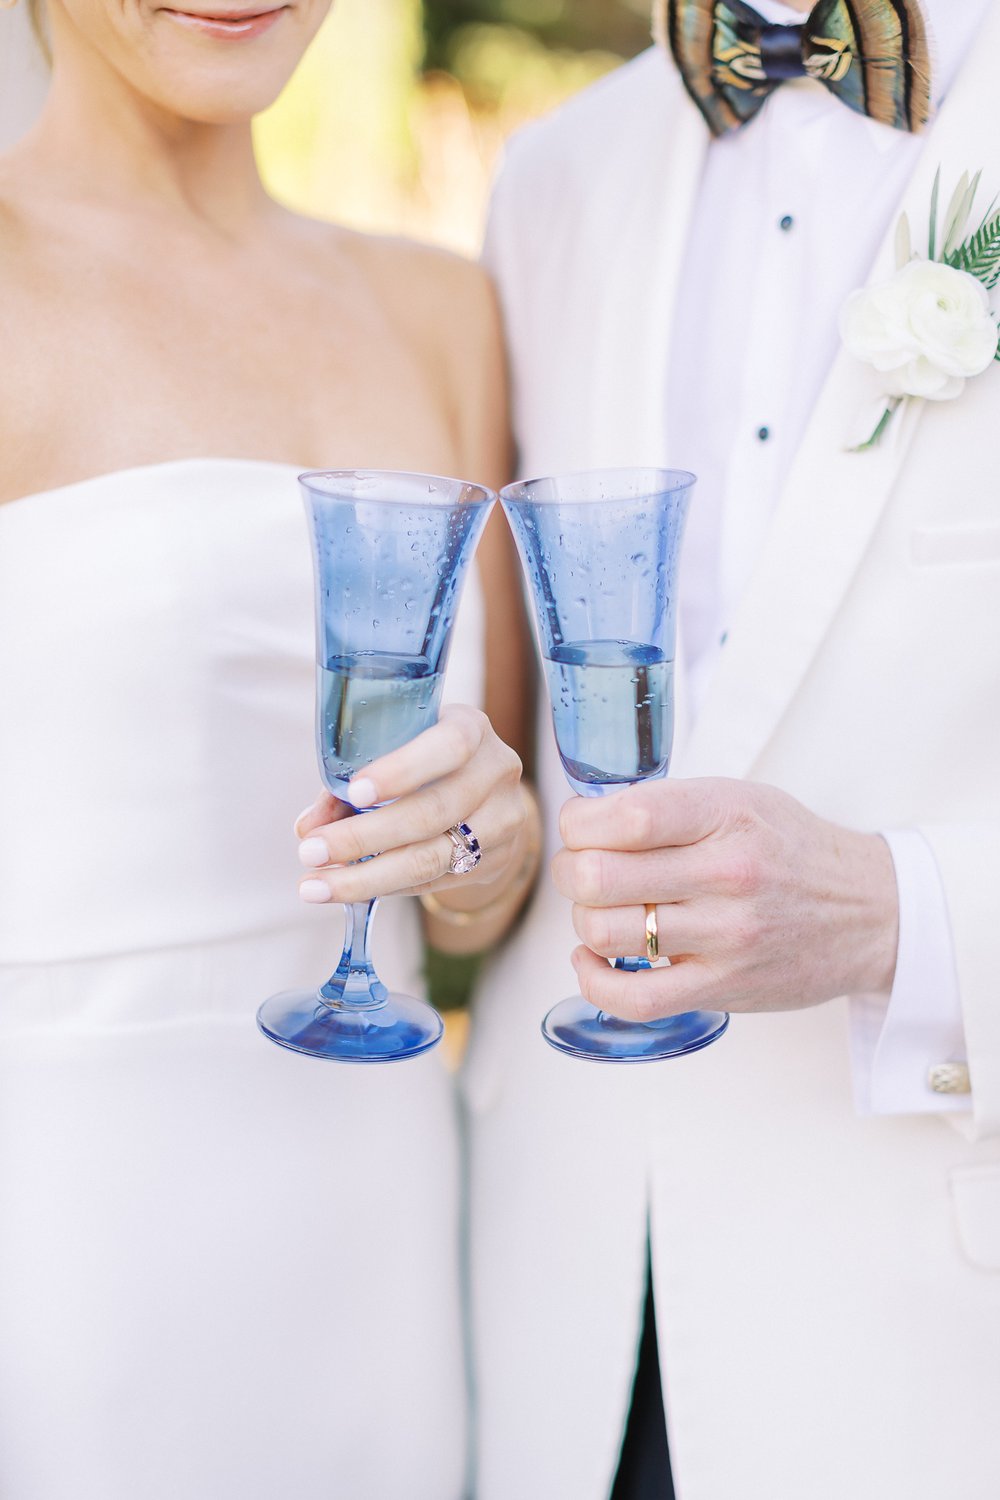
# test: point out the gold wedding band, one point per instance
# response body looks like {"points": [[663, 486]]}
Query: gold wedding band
{"points": [[652, 934]]}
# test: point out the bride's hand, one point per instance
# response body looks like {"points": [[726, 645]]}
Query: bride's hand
{"points": [[458, 771]]}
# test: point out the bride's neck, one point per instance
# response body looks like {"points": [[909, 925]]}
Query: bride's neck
{"points": [[104, 140]]}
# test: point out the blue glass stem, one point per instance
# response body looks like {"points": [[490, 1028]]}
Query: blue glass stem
{"points": [[354, 984], [632, 965]]}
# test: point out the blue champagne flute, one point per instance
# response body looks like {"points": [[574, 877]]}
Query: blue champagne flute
{"points": [[600, 551], [390, 555]]}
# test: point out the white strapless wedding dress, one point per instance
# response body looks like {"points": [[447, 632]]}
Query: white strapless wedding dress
{"points": [[227, 1272]]}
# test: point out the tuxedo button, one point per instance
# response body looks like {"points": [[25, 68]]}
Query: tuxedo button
{"points": [[786, 222], [949, 1078]]}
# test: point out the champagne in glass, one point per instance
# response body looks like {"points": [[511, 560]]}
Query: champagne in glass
{"points": [[613, 711], [390, 554], [368, 703], [600, 551]]}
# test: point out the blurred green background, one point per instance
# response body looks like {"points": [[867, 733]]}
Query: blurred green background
{"points": [[397, 115]]}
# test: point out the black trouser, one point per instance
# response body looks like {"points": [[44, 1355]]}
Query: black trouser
{"points": [[644, 1466]]}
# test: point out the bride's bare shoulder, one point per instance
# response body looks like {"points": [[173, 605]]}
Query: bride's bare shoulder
{"points": [[435, 292], [445, 307]]}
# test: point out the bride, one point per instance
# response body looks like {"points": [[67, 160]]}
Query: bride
{"points": [[225, 1270]]}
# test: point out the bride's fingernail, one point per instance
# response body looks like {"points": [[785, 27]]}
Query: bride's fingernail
{"points": [[315, 890], [361, 792], [313, 853]]}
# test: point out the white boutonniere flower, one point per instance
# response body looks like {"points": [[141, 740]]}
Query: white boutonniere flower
{"points": [[930, 327]]}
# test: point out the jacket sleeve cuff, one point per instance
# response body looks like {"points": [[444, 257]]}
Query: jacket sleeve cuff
{"points": [[899, 1042]]}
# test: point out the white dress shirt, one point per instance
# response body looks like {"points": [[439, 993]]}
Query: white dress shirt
{"points": [[790, 215]]}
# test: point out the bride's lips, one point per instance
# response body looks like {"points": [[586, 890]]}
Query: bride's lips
{"points": [[228, 23]]}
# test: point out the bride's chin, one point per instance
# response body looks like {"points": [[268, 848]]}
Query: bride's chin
{"points": [[216, 61], [208, 61], [208, 89]]}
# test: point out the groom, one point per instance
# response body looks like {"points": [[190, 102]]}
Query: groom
{"points": [[820, 1190]]}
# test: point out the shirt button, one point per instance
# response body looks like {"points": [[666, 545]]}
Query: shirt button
{"points": [[786, 223], [723, 638], [763, 433]]}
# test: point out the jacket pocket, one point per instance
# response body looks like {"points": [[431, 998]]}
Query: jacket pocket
{"points": [[976, 1195], [974, 542]]}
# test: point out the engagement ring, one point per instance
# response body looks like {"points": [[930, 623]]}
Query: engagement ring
{"points": [[465, 850]]}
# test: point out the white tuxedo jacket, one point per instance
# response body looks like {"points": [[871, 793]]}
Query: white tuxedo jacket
{"points": [[827, 1286]]}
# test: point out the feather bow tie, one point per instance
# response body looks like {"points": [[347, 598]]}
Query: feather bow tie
{"points": [[872, 54]]}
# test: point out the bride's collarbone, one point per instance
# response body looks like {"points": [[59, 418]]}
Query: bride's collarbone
{"points": [[117, 361]]}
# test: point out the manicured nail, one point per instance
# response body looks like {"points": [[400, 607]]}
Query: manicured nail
{"points": [[314, 890], [361, 792], [313, 853]]}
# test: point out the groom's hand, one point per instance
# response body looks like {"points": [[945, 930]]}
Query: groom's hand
{"points": [[760, 904]]}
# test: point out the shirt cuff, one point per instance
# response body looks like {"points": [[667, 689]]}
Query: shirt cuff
{"points": [[896, 1041]]}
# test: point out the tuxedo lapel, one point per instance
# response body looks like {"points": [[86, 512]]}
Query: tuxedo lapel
{"points": [[833, 499]]}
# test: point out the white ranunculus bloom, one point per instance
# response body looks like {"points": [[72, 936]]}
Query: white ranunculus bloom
{"points": [[928, 328]]}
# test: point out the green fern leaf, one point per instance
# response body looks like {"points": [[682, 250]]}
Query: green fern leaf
{"points": [[957, 214], [980, 253]]}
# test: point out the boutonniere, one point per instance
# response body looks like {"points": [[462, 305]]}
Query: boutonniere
{"points": [[930, 327]]}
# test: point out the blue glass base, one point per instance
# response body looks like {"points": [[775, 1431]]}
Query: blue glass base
{"points": [[576, 1027], [402, 1027]]}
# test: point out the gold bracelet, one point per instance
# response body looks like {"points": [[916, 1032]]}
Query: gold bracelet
{"points": [[453, 917], [450, 916]]}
